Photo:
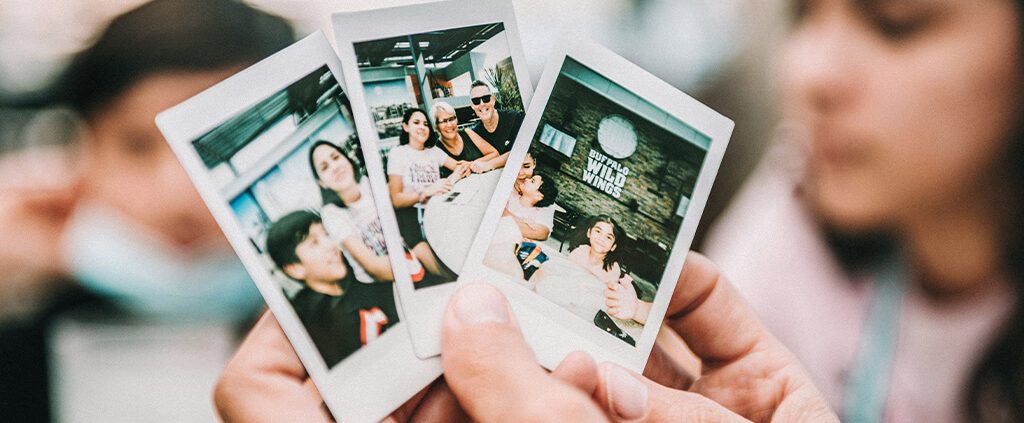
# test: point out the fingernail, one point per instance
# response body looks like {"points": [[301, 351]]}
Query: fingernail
{"points": [[480, 303], [627, 395]]}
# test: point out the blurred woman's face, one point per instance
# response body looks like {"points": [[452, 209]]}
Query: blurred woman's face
{"points": [[418, 129], [907, 104], [333, 170], [131, 167]]}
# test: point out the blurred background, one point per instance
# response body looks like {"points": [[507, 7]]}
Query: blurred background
{"points": [[77, 345]]}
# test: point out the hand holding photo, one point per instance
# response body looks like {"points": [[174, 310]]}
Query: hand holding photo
{"points": [[276, 157], [613, 168]]}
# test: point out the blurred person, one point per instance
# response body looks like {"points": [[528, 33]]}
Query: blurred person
{"points": [[540, 228], [882, 243], [117, 214], [463, 145], [498, 127]]}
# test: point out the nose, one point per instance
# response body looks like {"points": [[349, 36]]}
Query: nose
{"points": [[820, 64]]}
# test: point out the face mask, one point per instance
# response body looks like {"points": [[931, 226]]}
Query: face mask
{"points": [[117, 258]]}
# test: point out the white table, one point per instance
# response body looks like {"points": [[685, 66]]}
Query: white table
{"points": [[577, 290], [450, 221]]}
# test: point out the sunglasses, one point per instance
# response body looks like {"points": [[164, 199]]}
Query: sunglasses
{"points": [[482, 99]]}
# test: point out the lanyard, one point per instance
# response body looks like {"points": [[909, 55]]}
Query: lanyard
{"points": [[868, 383]]}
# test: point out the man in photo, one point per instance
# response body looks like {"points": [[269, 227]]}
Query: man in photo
{"points": [[498, 127], [340, 313]]}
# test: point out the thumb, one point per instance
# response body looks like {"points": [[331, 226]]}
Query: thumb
{"points": [[629, 397], [493, 372]]}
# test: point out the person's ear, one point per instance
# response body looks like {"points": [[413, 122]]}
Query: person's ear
{"points": [[295, 271]]}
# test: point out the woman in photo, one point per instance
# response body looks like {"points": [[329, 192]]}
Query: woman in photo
{"points": [[414, 176], [463, 145], [599, 253], [351, 219]]}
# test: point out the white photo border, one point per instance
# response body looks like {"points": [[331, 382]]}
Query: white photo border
{"points": [[551, 330], [424, 306], [373, 381]]}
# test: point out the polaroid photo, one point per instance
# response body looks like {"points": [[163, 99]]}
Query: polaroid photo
{"points": [[615, 165], [444, 87], [276, 156]]}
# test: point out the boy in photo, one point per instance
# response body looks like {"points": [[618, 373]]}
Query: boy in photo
{"points": [[498, 127], [340, 313], [532, 205]]}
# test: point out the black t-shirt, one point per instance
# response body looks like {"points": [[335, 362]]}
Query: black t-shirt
{"points": [[341, 325], [504, 135], [469, 152]]}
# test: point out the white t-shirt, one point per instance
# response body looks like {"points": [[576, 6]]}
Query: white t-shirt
{"points": [[418, 168], [357, 218], [544, 216]]}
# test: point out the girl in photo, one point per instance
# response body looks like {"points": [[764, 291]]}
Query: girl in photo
{"points": [[599, 252], [351, 219], [463, 145], [540, 223]]}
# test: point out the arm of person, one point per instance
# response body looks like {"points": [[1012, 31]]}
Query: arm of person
{"points": [[399, 197], [378, 267], [482, 164], [533, 230]]}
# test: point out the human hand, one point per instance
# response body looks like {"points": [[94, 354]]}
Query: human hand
{"points": [[480, 166], [266, 382], [621, 298], [745, 371], [38, 190], [442, 186], [462, 169]]}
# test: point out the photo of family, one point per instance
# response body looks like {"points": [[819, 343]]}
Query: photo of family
{"points": [[447, 107], [293, 173], [598, 201]]}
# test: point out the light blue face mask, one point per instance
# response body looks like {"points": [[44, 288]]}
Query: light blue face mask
{"points": [[117, 258]]}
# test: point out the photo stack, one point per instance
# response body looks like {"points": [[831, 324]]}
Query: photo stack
{"points": [[360, 186]]}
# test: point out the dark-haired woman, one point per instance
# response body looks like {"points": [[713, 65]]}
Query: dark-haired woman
{"points": [[414, 176], [892, 264], [350, 217]]}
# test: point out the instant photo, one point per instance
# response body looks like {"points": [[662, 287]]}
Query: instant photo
{"points": [[618, 168], [443, 91], [286, 178]]}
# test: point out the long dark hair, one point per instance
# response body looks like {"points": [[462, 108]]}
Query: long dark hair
{"points": [[403, 139], [995, 392], [581, 237], [327, 195]]}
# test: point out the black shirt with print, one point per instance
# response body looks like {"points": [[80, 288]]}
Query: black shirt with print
{"points": [[340, 325]]}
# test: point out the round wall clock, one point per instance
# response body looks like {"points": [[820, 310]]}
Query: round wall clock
{"points": [[617, 136]]}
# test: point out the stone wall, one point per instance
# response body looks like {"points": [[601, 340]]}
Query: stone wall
{"points": [[663, 168]]}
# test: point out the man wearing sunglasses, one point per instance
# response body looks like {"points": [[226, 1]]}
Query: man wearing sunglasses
{"points": [[498, 127]]}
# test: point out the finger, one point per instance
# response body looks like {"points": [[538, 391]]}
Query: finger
{"points": [[671, 363], [492, 371], [630, 397], [439, 405], [579, 370], [710, 314], [265, 381]]}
